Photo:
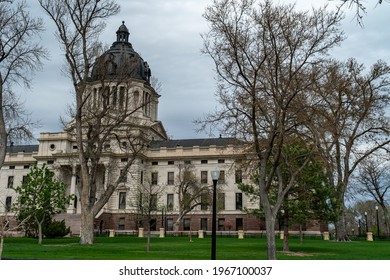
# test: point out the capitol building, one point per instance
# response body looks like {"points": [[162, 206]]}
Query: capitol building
{"points": [[158, 164]]}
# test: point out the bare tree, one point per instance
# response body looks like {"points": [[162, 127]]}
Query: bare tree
{"points": [[147, 203], [374, 179], [351, 122], [189, 190], [264, 57], [103, 120], [20, 56], [359, 6], [7, 225]]}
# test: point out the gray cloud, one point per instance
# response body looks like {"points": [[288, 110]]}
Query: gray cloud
{"points": [[167, 35]]}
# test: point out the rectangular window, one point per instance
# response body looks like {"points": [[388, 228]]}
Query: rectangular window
{"points": [[203, 177], [220, 201], [238, 176], [221, 161], [154, 178], [170, 202], [106, 95], [10, 182], [171, 162], [122, 200], [121, 97], [170, 224], [239, 224], [121, 223], [238, 201], [186, 224], [24, 179], [154, 162], [221, 224], [171, 178], [221, 179], [204, 161], [114, 97], [123, 176], [153, 224], [203, 224], [140, 202], [142, 177], [204, 201], [12, 167], [153, 202], [8, 203]]}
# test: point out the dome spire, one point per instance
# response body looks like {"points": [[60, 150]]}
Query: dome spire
{"points": [[122, 35]]}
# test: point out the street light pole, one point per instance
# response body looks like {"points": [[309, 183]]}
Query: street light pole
{"points": [[215, 177], [365, 215], [377, 219]]}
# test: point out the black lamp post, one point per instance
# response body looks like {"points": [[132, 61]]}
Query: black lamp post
{"points": [[215, 177], [359, 228], [365, 216], [377, 219]]}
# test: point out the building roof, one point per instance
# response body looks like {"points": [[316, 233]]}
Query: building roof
{"points": [[22, 148], [121, 60], [187, 143]]}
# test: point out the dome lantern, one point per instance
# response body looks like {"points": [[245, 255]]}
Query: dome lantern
{"points": [[122, 35]]}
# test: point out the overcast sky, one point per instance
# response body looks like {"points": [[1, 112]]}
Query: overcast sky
{"points": [[167, 35]]}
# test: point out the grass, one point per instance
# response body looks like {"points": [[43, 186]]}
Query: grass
{"points": [[179, 248]]}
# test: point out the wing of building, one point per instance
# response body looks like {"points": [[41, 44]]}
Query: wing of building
{"points": [[158, 165]]}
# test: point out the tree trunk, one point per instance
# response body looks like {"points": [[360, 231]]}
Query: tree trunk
{"points": [[40, 232], [87, 227], [286, 246], [300, 233], [1, 245], [148, 242], [270, 234], [386, 219], [176, 227], [39, 223], [271, 244], [341, 229], [3, 131]]}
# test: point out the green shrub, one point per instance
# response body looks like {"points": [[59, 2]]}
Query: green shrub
{"points": [[55, 229]]}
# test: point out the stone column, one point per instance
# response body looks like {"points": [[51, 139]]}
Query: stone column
{"points": [[71, 209]]}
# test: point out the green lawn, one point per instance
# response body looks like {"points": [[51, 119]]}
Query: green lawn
{"points": [[179, 248]]}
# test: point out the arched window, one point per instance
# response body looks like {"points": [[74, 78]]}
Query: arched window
{"points": [[136, 99], [122, 200], [122, 97], [146, 103]]}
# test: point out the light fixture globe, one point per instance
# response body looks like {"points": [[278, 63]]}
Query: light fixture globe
{"points": [[215, 174]]}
